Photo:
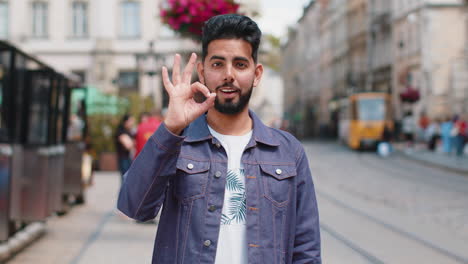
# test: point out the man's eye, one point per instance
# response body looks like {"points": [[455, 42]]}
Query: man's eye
{"points": [[217, 64]]}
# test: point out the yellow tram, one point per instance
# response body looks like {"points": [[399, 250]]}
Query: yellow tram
{"points": [[362, 119]]}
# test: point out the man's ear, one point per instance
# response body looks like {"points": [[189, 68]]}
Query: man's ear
{"points": [[258, 74], [200, 72]]}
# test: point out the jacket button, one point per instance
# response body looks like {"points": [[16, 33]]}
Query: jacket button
{"points": [[218, 145], [212, 208], [207, 243], [217, 174], [190, 166], [279, 171]]}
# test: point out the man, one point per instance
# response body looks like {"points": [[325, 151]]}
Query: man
{"points": [[149, 123], [232, 189]]}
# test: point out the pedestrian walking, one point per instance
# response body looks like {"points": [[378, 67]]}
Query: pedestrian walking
{"points": [[408, 128], [384, 148], [232, 189], [149, 123], [433, 134], [445, 130], [423, 124], [124, 144], [459, 135]]}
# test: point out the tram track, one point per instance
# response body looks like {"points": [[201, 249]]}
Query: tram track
{"points": [[409, 173], [350, 244], [366, 253], [347, 223]]}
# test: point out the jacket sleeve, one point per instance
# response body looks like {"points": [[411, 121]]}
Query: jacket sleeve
{"points": [[307, 235], [144, 187]]}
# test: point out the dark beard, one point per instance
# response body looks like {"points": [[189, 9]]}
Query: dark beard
{"points": [[230, 108]]}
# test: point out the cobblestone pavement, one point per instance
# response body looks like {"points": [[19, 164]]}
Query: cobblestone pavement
{"points": [[425, 204], [93, 233], [373, 210]]}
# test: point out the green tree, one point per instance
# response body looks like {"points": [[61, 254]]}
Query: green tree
{"points": [[272, 52]]}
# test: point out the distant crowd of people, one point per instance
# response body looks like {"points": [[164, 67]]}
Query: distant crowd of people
{"points": [[131, 138], [449, 135]]}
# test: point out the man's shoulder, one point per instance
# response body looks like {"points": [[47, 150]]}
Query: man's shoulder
{"points": [[284, 138]]}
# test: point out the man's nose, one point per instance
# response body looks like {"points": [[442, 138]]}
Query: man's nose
{"points": [[228, 74]]}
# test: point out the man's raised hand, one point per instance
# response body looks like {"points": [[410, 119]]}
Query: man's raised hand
{"points": [[182, 108]]}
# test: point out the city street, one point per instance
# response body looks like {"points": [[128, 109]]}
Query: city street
{"points": [[392, 210], [85, 84], [372, 210]]}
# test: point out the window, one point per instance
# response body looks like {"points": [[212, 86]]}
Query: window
{"points": [[79, 19], [38, 118], [371, 109], [130, 19], [39, 19], [5, 58], [128, 81], [3, 20]]}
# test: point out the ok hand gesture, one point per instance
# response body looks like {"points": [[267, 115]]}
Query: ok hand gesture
{"points": [[182, 108]]}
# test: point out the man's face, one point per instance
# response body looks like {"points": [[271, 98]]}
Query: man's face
{"points": [[230, 71]]}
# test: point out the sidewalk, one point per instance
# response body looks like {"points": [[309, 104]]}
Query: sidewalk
{"points": [[420, 153], [92, 233]]}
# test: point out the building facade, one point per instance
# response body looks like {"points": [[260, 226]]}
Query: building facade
{"points": [[380, 52], [382, 46], [117, 46], [357, 14], [429, 46], [299, 68]]}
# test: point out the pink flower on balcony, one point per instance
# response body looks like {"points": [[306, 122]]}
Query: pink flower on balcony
{"points": [[184, 18], [183, 3], [187, 16], [174, 23]]}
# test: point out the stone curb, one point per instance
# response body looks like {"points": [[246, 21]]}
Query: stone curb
{"points": [[432, 164], [21, 240]]}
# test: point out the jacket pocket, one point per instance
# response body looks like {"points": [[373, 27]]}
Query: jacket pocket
{"points": [[278, 181], [191, 178]]}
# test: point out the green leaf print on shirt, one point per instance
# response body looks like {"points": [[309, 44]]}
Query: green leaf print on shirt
{"points": [[233, 183], [237, 203], [237, 207]]}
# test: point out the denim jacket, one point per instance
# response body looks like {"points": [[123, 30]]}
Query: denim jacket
{"points": [[186, 176]]}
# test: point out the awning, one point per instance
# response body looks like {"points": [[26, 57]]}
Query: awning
{"points": [[98, 102]]}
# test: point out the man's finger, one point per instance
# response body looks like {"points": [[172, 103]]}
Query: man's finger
{"points": [[167, 83], [189, 69], [198, 87], [176, 70], [209, 102]]}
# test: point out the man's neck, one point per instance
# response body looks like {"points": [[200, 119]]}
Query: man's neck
{"points": [[234, 125]]}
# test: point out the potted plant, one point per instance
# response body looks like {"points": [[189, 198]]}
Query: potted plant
{"points": [[410, 95], [187, 16]]}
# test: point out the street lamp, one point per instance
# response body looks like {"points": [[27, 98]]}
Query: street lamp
{"points": [[147, 64]]}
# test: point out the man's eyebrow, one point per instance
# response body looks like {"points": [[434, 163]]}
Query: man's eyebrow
{"points": [[215, 57], [241, 59]]}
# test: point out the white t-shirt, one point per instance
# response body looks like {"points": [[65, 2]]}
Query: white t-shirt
{"points": [[408, 124], [232, 240]]}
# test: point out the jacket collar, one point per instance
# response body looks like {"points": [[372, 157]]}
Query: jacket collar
{"points": [[198, 131]]}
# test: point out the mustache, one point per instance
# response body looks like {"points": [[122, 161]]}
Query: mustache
{"points": [[230, 85]]}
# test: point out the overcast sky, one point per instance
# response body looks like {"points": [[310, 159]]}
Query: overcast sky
{"points": [[276, 15]]}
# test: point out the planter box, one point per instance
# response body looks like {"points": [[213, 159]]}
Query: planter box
{"points": [[108, 161]]}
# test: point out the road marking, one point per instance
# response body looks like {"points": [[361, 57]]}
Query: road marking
{"points": [[394, 228], [93, 237]]}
